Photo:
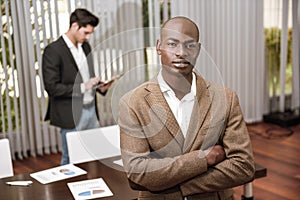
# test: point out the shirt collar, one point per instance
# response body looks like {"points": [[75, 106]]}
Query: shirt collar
{"points": [[162, 83], [194, 88], [69, 42], [165, 87]]}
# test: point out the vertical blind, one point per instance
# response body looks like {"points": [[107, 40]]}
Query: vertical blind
{"points": [[118, 47], [232, 53], [232, 38], [296, 53], [29, 27]]}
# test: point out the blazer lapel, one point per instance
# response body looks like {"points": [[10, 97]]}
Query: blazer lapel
{"points": [[68, 52], [200, 110], [160, 107]]}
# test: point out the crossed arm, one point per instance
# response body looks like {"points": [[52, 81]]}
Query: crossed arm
{"points": [[220, 167]]}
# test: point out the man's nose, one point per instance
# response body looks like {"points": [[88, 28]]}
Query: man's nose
{"points": [[181, 51]]}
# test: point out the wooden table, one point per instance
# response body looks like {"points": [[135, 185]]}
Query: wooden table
{"points": [[112, 174]]}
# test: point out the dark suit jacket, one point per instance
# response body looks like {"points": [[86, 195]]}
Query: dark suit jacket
{"points": [[162, 164], [62, 82]]}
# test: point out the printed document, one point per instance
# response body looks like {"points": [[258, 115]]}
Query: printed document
{"points": [[57, 173], [89, 189]]}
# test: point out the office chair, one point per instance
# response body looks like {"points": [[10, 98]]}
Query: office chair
{"points": [[6, 167], [93, 144]]}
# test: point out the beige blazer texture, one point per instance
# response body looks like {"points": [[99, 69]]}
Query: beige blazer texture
{"points": [[162, 164]]}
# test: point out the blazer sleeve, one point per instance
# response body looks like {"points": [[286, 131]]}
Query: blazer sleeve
{"points": [[238, 167], [147, 169], [61, 79]]}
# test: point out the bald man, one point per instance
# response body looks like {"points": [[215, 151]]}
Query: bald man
{"points": [[183, 137]]}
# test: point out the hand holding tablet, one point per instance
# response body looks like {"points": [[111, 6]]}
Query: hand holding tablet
{"points": [[104, 85]]}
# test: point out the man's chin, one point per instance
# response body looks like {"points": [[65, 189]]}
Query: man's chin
{"points": [[178, 71]]}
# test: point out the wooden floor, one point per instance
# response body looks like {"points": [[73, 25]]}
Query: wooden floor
{"points": [[275, 148]]}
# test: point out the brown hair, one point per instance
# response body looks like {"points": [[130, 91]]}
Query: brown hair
{"points": [[83, 17]]}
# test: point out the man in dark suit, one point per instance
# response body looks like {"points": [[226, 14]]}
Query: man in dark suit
{"points": [[69, 78], [183, 137]]}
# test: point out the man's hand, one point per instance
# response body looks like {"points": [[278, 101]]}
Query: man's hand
{"points": [[91, 83], [105, 85], [214, 155]]}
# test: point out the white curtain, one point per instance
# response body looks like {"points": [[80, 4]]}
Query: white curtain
{"points": [[232, 37], [296, 53], [29, 26], [31, 133], [282, 16], [118, 47]]}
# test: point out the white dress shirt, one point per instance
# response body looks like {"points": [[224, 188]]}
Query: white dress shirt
{"points": [[182, 109], [81, 61]]}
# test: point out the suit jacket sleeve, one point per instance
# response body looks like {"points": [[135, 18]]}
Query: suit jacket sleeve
{"points": [[153, 157], [238, 167], [147, 168], [60, 73]]}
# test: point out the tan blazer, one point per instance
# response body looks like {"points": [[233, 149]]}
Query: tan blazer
{"points": [[162, 164]]}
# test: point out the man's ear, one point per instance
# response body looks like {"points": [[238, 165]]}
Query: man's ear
{"points": [[158, 50], [74, 26]]}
